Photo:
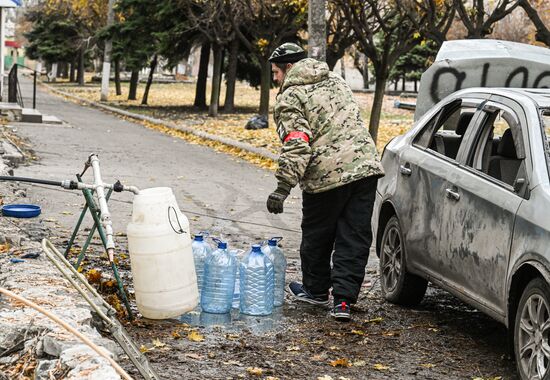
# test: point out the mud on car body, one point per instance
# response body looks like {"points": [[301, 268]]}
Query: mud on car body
{"points": [[464, 205]]}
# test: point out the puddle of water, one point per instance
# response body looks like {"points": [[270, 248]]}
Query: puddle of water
{"points": [[235, 321]]}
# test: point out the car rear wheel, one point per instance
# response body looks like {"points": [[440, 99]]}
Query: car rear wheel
{"points": [[532, 331], [398, 286]]}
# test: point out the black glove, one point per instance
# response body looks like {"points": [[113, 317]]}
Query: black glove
{"points": [[277, 198]]}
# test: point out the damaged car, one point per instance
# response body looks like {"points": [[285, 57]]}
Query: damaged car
{"points": [[464, 205]]}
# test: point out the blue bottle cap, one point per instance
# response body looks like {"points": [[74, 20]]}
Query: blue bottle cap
{"points": [[198, 237], [222, 245], [272, 242], [256, 248]]}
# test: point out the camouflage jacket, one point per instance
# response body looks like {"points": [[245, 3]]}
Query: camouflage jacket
{"points": [[325, 143]]}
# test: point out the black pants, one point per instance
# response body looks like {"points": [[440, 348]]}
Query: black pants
{"points": [[339, 220]]}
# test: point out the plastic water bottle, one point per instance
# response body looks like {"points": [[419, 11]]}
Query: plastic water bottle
{"points": [[220, 271], [278, 259], [257, 279], [201, 251], [237, 253]]}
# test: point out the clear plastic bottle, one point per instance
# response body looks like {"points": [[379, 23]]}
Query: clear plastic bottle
{"points": [[277, 257], [201, 251], [220, 270], [257, 280], [238, 253]]}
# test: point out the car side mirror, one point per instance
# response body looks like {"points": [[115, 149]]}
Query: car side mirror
{"points": [[520, 187]]}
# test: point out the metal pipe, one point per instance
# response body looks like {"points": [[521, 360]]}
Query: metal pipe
{"points": [[105, 213], [31, 180]]}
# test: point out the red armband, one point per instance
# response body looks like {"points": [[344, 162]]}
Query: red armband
{"points": [[296, 135]]}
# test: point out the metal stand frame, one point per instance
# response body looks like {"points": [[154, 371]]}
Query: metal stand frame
{"points": [[96, 215]]}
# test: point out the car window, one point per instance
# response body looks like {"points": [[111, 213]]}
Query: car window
{"points": [[496, 149], [444, 133]]}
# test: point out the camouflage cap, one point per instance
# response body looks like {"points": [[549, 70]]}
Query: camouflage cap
{"points": [[287, 53]]}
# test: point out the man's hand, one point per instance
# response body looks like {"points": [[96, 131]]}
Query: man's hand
{"points": [[277, 198]]}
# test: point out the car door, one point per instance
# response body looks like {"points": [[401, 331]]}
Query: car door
{"points": [[421, 184], [480, 206]]}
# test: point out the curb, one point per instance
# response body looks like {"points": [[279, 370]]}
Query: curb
{"points": [[264, 153]]}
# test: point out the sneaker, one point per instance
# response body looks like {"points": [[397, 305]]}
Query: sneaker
{"points": [[341, 312], [299, 292]]}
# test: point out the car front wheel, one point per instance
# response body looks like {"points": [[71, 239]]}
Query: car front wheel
{"points": [[397, 285], [532, 331]]}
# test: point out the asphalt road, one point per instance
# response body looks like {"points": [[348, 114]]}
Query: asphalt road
{"points": [[218, 192]]}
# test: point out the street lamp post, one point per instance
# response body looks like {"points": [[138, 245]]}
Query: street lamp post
{"points": [[317, 41]]}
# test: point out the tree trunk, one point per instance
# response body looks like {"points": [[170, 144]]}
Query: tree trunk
{"points": [[229, 104], [72, 73], [134, 79], [366, 74], [222, 60], [200, 90], [152, 69], [376, 110], [117, 77], [64, 72], [81, 67], [415, 85], [265, 86], [403, 84], [106, 74], [342, 68], [317, 42], [215, 94]]}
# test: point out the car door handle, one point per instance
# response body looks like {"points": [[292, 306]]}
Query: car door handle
{"points": [[452, 194], [405, 170]]}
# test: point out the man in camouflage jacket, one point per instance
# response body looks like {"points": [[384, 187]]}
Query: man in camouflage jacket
{"points": [[329, 152]]}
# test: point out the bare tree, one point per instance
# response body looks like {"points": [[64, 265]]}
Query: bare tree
{"points": [[480, 17], [384, 34], [515, 27], [261, 26], [340, 34], [317, 44], [210, 18], [431, 18], [541, 25]]}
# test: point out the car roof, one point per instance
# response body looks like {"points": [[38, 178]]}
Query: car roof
{"points": [[540, 96]]}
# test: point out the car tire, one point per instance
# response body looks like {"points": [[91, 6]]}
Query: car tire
{"points": [[398, 286], [532, 331]]}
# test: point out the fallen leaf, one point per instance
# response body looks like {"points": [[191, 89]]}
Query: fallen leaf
{"points": [[4, 247], [195, 356], [432, 329], [293, 348], [232, 362], [176, 335], [324, 377], [427, 365], [271, 378], [359, 363], [67, 213], [143, 349], [343, 362], [195, 336], [255, 371], [93, 276], [158, 343], [380, 367], [358, 332], [375, 320]]}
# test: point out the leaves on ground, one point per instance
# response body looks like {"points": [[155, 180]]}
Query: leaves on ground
{"points": [[4, 247], [255, 371], [343, 362], [195, 336], [380, 367]]}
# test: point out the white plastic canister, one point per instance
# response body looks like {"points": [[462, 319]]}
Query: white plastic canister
{"points": [[162, 260]]}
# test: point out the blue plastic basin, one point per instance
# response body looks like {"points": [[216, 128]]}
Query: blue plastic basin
{"points": [[21, 211]]}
